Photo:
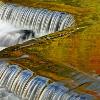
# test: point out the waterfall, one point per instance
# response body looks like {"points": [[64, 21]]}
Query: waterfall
{"points": [[17, 25], [26, 85], [20, 23], [10, 35]]}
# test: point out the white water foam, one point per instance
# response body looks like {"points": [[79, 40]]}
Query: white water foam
{"points": [[5, 95], [19, 24], [1, 48], [8, 36]]}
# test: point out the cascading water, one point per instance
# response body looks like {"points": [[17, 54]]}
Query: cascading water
{"points": [[19, 23], [26, 85]]}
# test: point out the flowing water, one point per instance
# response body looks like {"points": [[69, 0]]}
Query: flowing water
{"points": [[19, 23], [23, 84]]}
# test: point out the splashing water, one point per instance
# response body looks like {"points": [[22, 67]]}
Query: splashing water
{"points": [[10, 35], [19, 23]]}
